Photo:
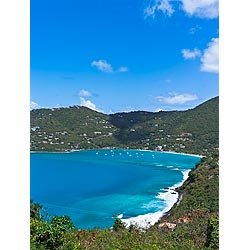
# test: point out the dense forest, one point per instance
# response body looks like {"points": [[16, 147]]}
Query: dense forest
{"points": [[192, 223]]}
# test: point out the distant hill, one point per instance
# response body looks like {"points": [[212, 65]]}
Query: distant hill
{"points": [[194, 131]]}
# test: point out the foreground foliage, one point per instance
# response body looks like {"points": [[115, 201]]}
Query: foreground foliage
{"points": [[48, 234]]}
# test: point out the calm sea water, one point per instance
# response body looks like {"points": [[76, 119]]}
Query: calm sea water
{"points": [[95, 186]]}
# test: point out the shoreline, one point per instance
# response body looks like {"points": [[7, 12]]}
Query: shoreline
{"points": [[146, 150], [172, 152], [145, 221]]}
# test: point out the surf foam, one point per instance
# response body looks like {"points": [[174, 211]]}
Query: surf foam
{"points": [[170, 197]]}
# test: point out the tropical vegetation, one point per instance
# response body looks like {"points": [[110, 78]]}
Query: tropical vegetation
{"points": [[74, 128]]}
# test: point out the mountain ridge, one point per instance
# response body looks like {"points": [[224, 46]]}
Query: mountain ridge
{"points": [[73, 128]]}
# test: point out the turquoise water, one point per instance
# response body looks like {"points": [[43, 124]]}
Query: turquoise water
{"points": [[94, 186]]}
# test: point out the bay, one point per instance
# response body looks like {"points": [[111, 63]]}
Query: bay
{"points": [[95, 186]]}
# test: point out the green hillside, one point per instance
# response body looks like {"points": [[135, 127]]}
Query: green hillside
{"points": [[62, 129], [70, 128]]}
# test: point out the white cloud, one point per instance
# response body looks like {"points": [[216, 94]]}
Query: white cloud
{"points": [[191, 54], [106, 67], [177, 98], [84, 92], [201, 8], [88, 104], [198, 8], [210, 57], [158, 110], [123, 69], [158, 6], [34, 105], [103, 66]]}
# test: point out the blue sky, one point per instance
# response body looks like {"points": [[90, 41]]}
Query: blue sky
{"points": [[123, 55]]}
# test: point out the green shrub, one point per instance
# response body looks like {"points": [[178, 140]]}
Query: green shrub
{"points": [[213, 232], [47, 233], [118, 225]]}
